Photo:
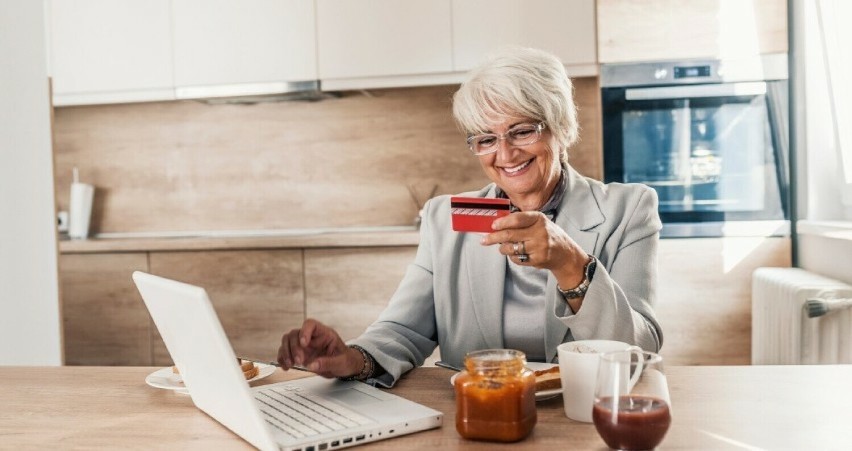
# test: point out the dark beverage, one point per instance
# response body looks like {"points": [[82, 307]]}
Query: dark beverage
{"points": [[639, 422]]}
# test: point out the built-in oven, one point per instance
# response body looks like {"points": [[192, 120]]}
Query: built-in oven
{"points": [[709, 136]]}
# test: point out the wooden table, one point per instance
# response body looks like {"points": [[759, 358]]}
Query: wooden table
{"points": [[745, 407]]}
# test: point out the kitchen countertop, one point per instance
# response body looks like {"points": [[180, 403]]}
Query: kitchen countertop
{"points": [[267, 239]]}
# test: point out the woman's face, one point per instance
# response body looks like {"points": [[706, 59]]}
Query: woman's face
{"points": [[527, 174]]}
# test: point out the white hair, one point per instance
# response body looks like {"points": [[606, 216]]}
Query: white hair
{"points": [[519, 82]]}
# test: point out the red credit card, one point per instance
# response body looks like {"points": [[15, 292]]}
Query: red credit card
{"points": [[475, 214]]}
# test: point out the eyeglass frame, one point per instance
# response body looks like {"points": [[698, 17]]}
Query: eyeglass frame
{"points": [[539, 130]]}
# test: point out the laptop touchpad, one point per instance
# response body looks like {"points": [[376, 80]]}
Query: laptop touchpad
{"points": [[353, 397]]}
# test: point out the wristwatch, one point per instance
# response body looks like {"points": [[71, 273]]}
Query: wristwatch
{"points": [[580, 290]]}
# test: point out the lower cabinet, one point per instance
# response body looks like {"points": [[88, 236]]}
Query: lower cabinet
{"points": [[347, 288], [103, 317], [257, 294], [704, 296]]}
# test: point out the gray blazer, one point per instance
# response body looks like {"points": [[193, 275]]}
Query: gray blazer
{"points": [[452, 294]]}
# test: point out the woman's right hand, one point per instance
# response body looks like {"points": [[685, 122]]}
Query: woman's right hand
{"points": [[320, 349]]}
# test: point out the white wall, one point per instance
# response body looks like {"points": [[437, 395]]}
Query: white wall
{"points": [[30, 329]]}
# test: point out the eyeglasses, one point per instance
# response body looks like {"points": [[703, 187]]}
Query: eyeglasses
{"points": [[520, 135]]}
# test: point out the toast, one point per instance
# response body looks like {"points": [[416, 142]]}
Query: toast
{"points": [[548, 379]]}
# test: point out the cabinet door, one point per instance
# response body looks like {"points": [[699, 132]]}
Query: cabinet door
{"points": [[642, 30], [257, 294], [107, 51], [221, 43], [375, 38], [104, 319], [704, 296], [563, 27]]}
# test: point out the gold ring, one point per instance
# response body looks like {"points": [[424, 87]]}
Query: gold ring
{"points": [[523, 247], [516, 248]]}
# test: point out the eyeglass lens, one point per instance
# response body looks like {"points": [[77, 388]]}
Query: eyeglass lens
{"points": [[520, 135]]}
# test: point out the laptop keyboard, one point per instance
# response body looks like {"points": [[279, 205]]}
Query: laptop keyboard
{"points": [[300, 414]]}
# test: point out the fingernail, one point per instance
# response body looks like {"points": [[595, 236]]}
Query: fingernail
{"points": [[482, 240], [313, 366]]}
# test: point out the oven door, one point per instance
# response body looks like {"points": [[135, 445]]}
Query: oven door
{"points": [[714, 153]]}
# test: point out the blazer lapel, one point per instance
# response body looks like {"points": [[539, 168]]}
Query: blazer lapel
{"points": [[579, 213]]}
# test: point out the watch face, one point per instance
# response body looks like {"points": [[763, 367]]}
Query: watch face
{"points": [[590, 269]]}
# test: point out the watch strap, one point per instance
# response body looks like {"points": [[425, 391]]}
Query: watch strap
{"points": [[581, 289]]}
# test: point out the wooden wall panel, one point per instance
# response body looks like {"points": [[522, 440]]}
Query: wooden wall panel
{"points": [[257, 294], [104, 319], [641, 30], [704, 296], [587, 154], [190, 166]]}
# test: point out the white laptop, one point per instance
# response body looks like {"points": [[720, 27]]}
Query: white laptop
{"points": [[309, 414]]}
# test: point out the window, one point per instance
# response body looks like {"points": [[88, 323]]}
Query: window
{"points": [[834, 17]]}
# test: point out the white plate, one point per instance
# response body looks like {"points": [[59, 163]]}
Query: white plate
{"points": [[167, 379], [535, 366]]}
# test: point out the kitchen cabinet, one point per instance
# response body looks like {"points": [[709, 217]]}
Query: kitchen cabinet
{"points": [[704, 296], [230, 47], [359, 39], [348, 288], [565, 28], [257, 294], [104, 319], [641, 30], [106, 51]]}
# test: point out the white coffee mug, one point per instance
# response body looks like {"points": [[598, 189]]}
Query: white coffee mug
{"points": [[578, 369]]}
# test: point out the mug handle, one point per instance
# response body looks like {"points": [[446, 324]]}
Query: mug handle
{"points": [[640, 363]]}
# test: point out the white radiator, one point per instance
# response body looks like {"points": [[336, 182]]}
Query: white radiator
{"points": [[782, 329]]}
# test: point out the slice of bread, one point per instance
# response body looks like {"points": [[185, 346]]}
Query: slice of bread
{"points": [[548, 379]]}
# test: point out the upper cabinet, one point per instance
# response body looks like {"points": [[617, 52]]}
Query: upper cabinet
{"points": [[111, 51], [366, 43], [563, 27], [231, 47], [104, 51], [641, 30]]}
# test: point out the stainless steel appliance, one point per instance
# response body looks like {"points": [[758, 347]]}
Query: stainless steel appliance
{"points": [[709, 136]]}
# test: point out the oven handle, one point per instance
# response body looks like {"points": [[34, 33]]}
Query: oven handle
{"points": [[694, 91]]}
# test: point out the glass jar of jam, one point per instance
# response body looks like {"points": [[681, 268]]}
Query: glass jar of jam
{"points": [[495, 396]]}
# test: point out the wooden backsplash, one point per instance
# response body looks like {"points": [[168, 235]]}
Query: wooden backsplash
{"points": [[339, 162]]}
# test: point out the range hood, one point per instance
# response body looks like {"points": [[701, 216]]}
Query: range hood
{"points": [[246, 89]]}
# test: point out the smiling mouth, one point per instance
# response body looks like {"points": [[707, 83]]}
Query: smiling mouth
{"points": [[517, 168]]}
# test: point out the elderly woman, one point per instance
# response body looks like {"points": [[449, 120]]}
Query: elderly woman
{"points": [[575, 260]]}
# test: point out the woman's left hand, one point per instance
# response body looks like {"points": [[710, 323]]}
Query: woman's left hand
{"points": [[546, 245]]}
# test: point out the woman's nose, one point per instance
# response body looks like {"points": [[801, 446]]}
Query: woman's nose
{"points": [[504, 150]]}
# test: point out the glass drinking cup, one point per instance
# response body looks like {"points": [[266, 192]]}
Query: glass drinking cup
{"points": [[632, 405]]}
